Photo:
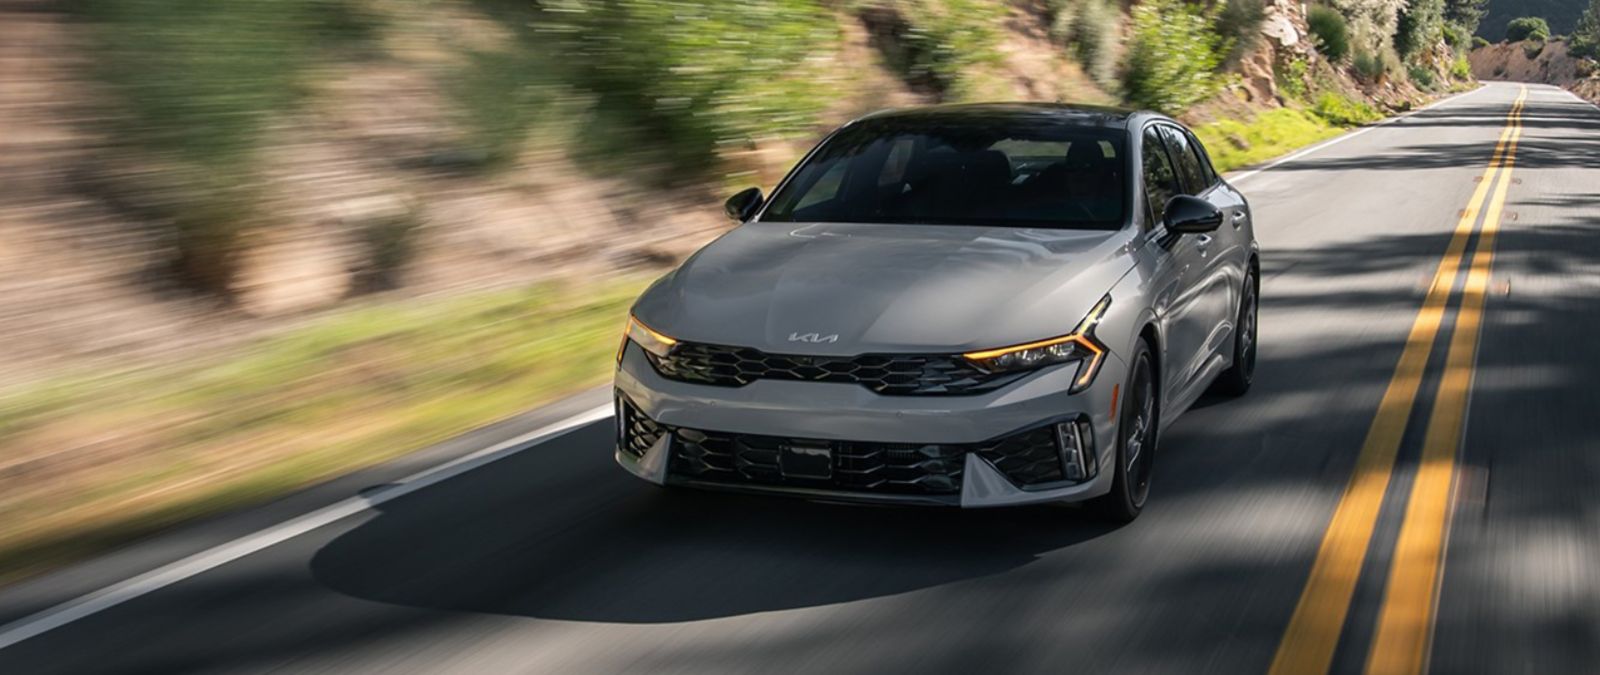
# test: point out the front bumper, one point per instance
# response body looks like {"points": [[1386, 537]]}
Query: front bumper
{"points": [[858, 423]]}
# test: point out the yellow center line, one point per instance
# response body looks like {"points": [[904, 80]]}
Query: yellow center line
{"points": [[1313, 632], [1405, 623]]}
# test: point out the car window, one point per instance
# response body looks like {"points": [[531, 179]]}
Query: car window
{"points": [[1205, 159], [1187, 160], [960, 171], [1160, 179]]}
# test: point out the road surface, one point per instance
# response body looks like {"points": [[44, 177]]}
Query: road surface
{"points": [[1412, 484]]}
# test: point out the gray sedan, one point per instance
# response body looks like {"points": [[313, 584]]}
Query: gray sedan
{"points": [[972, 305]]}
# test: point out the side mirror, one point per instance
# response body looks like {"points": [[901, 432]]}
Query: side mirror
{"points": [[742, 206], [1191, 215]]}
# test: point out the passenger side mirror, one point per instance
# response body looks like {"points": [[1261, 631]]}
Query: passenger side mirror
{"points": [[1191, 215], [742, 206]]}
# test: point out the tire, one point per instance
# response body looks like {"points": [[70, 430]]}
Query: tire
{"points": [[1137, 432], [1235, 381]]}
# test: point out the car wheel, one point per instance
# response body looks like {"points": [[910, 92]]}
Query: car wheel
{"points": [[1137, 431], [1235, 381]]}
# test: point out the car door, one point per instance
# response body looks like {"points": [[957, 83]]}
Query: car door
{"points": [[1223, 255], [1217, 269], [1175, 256]]}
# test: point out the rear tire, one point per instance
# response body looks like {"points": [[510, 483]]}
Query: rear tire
{"points": [[1236, 380], [1137, 431]]}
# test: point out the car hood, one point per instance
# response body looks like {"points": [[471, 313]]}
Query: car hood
{"points": [[845, 289]]}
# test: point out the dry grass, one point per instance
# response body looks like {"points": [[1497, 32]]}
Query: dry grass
{"points": [[87, 463]]}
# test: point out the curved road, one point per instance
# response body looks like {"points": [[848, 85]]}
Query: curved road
{"points": [[1324, 522]]}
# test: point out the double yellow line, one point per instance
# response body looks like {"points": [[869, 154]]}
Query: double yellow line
{"points": [[1405, 620]]}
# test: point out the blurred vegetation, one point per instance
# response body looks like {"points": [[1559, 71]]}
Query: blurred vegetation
{"points": [[1239, 24], [1420, 26], [1527, 28], [193, 84], [1173, 56], [1290, 75], [1091, 29], [1330, 31], [1342, 110], [1234, 144], [1367, 66], [934, 44], [1560, 15], [343, 393], [1585, 42]]}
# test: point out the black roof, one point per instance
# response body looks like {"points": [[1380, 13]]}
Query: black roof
{"points": [[1039, 113]]}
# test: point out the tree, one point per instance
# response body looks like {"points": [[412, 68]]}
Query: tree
{"points": [[1420, 26], [1465, 13], [1528, 28], [1586, 37]]}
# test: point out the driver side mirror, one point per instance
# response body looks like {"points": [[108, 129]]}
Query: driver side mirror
{"points": [[742, 206], [1191, 215]]}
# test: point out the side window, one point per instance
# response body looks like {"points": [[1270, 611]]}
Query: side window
{"points": [[1205, 160], [1188, 160], [1160, 179]]}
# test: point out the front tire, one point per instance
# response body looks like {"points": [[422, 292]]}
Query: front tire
{"points": [[1136, 442]]}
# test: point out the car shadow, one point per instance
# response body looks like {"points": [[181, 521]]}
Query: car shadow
{"points": [[559, 532]]}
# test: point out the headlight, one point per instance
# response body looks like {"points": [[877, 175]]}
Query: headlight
{"points": [[1080, 346], [647, 338]]}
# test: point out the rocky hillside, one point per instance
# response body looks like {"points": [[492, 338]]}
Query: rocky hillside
{"points": [[190, 175], [1549, 63]]}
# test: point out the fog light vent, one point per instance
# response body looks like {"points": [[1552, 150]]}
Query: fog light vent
{"points": [[1076, 442]]}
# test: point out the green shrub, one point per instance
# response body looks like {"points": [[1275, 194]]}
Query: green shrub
{"points": [[1479, 43], [1419, 25], [1173, 56], [931, 43], [1586, 36], [1330, 32], [1344, 111], [669, 82], [1527, 28], [1532, 48], [1456, 36], [1465, 14], [1239, 23], [1461, 69], [1423, 77], [193, 86], [501, 94], [1090, 28], [1368, 67], [1291, 77]]}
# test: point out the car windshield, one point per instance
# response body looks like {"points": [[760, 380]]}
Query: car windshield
{"points": [[961, 173]]}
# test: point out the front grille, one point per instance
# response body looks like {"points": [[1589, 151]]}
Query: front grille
{"points": [[890, 374], [637, 432], [1029, 458]]}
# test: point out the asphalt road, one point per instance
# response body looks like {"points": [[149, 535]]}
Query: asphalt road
{"points": [[554, 560]]}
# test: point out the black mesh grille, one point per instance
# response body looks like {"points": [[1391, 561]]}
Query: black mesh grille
{"points": [[1029, 458], [638, 432], [897, 374]]}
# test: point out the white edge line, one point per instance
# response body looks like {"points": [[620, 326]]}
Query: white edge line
{"points": [[1340, 139], [161, 577]]}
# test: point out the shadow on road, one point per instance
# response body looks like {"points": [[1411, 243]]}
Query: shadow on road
{"points": [[605, 547]]}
